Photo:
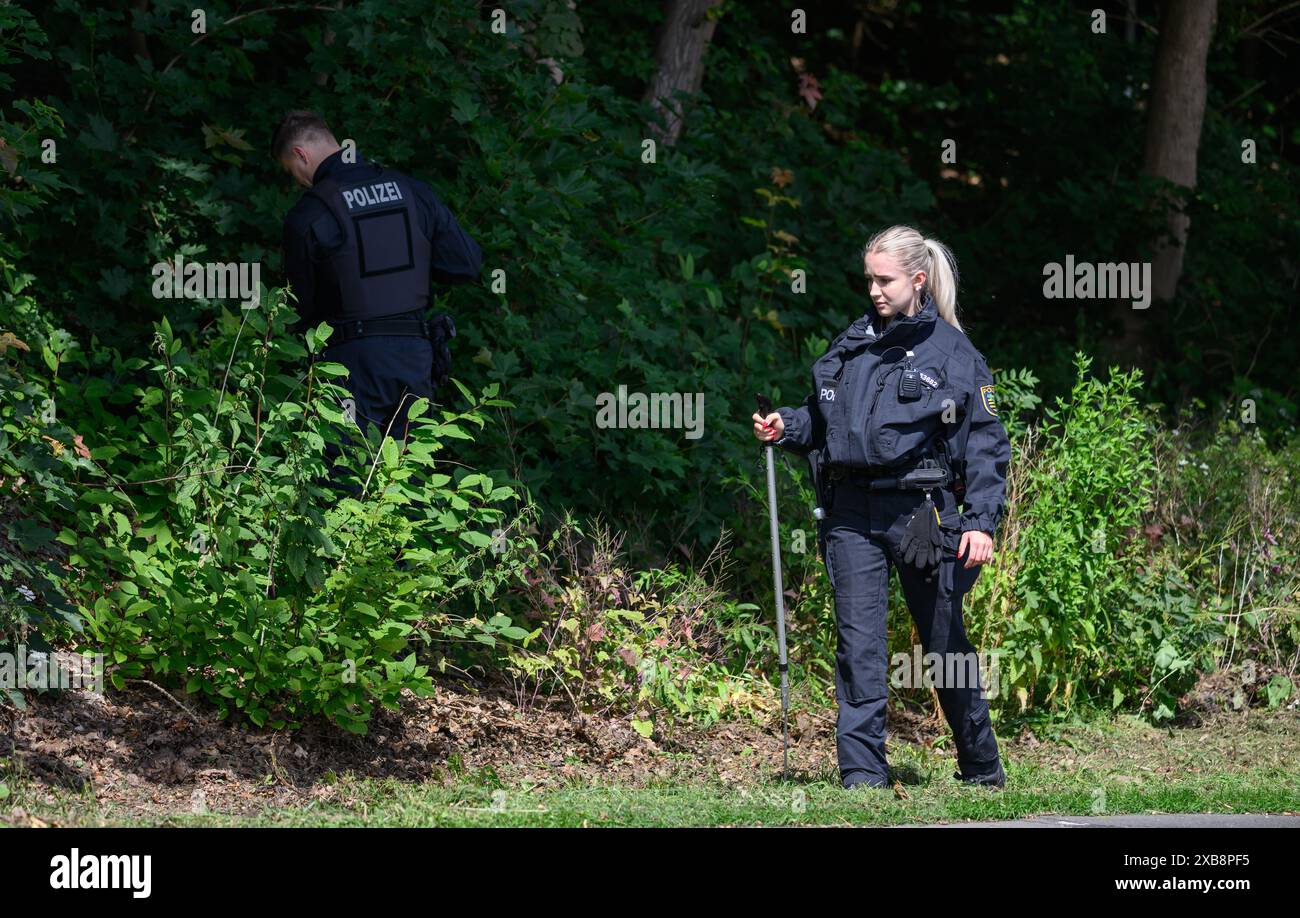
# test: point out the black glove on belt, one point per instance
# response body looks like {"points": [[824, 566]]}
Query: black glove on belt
{"points": [[922, 542]]}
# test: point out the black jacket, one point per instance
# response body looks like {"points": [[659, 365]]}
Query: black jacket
{"points": [[312, 233], [857, 418]]}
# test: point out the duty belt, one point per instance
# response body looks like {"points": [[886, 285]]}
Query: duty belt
{"points": [[412, 324], [920, 478], [855, 474]]}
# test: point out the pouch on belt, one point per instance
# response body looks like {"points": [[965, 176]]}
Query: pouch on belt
{"points": [[441, 330]]}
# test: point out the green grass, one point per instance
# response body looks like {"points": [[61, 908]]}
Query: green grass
{"points": [[1243, 766], [388, 803]]}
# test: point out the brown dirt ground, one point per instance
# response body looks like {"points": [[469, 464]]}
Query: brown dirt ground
{"points": [[140, 751], [1225, 692], [143, 753]]}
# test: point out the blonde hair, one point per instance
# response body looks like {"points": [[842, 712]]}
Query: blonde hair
{"points": [[916, 253]]}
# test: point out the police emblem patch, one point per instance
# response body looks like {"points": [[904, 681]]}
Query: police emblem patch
{"points": [[987, 399]]}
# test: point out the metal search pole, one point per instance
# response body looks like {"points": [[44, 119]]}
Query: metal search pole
{"points": [[765, 408]]}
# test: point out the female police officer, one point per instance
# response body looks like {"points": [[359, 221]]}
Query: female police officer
{"points": [[903, 422]]}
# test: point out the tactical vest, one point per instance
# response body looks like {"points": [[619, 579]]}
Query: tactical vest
{"points": [[382, 268]]}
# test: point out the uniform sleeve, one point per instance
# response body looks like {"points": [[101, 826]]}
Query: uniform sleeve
{"points": [[456, 258], [299, 272], [800, 435], [988, 450]]}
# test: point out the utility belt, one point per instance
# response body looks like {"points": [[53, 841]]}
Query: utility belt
{"points": [[922, 542], [926, 475], [408, 323], [438, 330]]}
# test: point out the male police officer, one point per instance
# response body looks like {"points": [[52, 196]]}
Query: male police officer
{"points": [[360, 249]]}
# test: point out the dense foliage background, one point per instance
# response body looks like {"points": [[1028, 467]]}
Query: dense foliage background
{"points": [[602, 269]]}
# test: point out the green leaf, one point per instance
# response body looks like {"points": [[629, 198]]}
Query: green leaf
{"points": [[115, 282], [101, 135], [1278, 690], [463, 108], [451, 430]]}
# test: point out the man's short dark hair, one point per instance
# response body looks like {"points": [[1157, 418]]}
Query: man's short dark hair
{"points": [[298, 127]]}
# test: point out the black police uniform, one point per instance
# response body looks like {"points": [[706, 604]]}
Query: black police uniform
{"points": [[361, 247], [862, 429]]}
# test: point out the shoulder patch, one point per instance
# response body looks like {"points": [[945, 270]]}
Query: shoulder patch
{"points": [[988, 401]]}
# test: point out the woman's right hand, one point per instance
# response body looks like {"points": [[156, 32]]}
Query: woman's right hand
{"points": [[768, 428]]}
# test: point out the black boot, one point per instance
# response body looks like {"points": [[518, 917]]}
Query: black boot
{"points": [[997, 779]]}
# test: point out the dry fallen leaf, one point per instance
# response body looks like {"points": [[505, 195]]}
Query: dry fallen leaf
{"points": [[9, 339]]}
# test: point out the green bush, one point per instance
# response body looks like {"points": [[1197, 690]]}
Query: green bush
{"points": [[38, 449], [216, 556], [660, 642], [38, 455], [1226, 513], [1052, 607]]}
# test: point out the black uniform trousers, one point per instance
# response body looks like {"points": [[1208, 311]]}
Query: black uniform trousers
{"points": [[860, 544], [386, 374]]}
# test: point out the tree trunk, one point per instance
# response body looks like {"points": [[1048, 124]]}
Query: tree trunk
{"points": [[321, 77], [1175, 110], [1174, 119], [679, 61], [139, 41]]}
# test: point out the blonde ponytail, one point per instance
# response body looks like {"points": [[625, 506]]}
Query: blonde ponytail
{"points": [[916, 253], [941, 277]]}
